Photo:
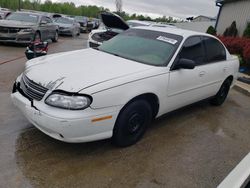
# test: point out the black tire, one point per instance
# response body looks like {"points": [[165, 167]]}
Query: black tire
{"points": [[55, 38], [132, 123], [37, 36], [79, 32], [222, 94]]}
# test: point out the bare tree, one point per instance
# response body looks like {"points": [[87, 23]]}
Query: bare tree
{"points": [[118, 4]]}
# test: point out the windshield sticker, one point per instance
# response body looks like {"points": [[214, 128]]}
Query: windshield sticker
{"points": [[168, 40]]}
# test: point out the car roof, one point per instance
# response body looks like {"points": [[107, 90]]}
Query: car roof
{"points": [[173, 30]]}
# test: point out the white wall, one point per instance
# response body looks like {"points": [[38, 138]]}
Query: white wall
{"points": [[195, 26], [235, 11]]}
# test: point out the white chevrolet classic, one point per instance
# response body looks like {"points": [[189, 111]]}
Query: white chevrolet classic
{"points": [[117, 89]]}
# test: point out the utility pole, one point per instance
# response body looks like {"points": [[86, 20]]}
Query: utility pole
{"points": [[19, 5], [118, 4]]}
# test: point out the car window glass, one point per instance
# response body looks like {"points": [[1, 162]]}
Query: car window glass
{"points": [[43, 19], [215, 50], [193, 50], [148, 47], [48, 20], [23, 17]]}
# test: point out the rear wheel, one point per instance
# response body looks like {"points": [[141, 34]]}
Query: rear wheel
{"points": [[132, 123], [222, 94]]}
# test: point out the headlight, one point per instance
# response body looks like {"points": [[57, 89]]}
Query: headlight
{"points": [[68, 101], [28, 30]]}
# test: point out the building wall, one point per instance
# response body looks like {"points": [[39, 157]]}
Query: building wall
{"points": [[238, 11], [195, 26]]}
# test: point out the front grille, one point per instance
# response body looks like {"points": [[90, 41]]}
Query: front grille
{"points": [[9, 30], [31, 89], [7, 38]]}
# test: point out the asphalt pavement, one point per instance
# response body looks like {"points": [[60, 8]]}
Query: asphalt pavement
{"points": [[196, 146]]}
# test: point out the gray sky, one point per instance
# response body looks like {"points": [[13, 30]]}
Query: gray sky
{"points": [[175, 8]]}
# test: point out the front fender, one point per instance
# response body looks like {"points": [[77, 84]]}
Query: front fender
{"points": [[122, 94]]}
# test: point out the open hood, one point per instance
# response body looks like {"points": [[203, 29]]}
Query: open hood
{"points": [[113, 21]]}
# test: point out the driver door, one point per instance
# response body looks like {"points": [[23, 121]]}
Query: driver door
{"points": [[186, 86]]}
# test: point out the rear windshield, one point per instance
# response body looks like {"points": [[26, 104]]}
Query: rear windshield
{"points": [[23, 17], [144, 46]]}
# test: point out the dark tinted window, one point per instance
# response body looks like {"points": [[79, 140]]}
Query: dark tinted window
{"points": [[48, 20], [215, 50], [193, 49]]}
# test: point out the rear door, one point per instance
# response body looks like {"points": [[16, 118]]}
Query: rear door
{"points": [[43, 29], [215, 64]]}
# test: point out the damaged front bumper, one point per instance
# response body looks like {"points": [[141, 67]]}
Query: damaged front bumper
{"points": [[65, 125]]}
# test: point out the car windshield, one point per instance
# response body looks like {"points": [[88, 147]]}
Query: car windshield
{"points": [[144, 46], [64, 20], [24, 17]]}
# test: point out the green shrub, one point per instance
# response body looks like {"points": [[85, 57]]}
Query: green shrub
{"points": [[231, 31], [211, 30], [247, 31]]}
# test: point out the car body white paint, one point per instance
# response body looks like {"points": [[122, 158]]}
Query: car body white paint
{"points": [[112, 82]]}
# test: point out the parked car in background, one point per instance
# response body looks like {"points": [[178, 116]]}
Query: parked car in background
{"points": [[116, 90], [24, 27], [83, 21], [4, 13], [111, 25], [67, 26], [96, 23]]}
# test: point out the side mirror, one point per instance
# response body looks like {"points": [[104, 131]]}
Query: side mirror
{"points": [[185, 64], [43, 22]]}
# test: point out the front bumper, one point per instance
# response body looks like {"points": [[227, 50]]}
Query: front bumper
{"points": [[16, 38], [76, 129]]}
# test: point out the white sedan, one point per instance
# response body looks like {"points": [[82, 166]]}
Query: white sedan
{"points": [[116, 90]]}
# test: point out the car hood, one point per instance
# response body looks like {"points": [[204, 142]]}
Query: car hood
{"points": [[13, 23], [113, 21], [78, 70]]}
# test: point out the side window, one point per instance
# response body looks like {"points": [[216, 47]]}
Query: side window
{"points": [[215, 51], [48, 20], [43, 19], [193, 49]]}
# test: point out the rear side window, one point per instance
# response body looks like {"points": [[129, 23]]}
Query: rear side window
{"points": [[215, 51], [193, 49]]}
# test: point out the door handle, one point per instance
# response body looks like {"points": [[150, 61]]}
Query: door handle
{"points": [[202, 73]]}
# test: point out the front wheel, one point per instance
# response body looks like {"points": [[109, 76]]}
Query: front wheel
{"points": [[55, 38], [132, 123], [222, 94]]}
